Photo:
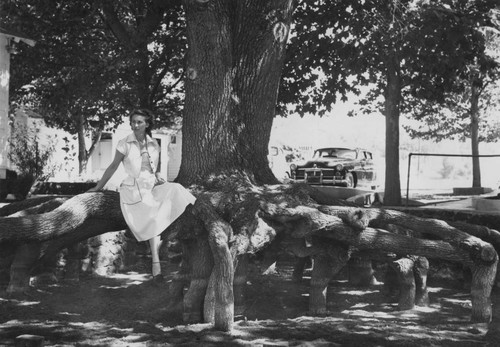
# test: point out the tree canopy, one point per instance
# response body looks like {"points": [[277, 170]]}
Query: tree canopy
{"points": [[98, 59], [94, 61], [403, 51]]}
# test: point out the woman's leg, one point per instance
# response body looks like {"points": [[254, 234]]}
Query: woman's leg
{"points": [[154, 244]]}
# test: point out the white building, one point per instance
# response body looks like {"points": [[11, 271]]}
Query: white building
{"points": [[66, 161], [8, 42]]}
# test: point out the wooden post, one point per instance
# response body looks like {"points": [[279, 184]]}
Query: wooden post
{"points": [[326, 265], [298, 268], [20, 270], [482, 282], [73, 263], [201, 268], [421, 268], [404, 269], [240, 281], [180, 280], [360, 272]]}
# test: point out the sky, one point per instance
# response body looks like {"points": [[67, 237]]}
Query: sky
{"points": [[334, 130]]}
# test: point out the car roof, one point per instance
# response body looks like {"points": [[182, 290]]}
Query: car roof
{"points": [[340, 148]]}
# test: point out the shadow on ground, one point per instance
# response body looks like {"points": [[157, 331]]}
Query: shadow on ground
{"points": [[127, 309]]}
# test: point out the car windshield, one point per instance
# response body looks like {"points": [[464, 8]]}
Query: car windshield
{"points": [[334, 153]]}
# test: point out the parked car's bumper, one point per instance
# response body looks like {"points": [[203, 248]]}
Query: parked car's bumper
{"points": [[320, 177]]}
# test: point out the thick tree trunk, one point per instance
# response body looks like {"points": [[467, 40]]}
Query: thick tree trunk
{"points": [[82, 148], [240, 280], [380, 218], [404, 270], [299, 267], [45, 234], [392, 190], [201, 264], [259, 57], [81, 211], [20, 270], [474, 135], [221, 280], [420, 270], [326, 265], [234, 63], [361, 272]]}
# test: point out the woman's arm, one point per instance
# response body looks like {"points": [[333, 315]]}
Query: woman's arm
{"points": [[159, 179], [109, 172]]}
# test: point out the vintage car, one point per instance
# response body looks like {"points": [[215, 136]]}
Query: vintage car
{"points": [[337, 167]]}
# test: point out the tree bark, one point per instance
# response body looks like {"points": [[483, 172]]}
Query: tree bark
{"points": [[326, 265], [234, 60], [360, 272], [420, 269], [196, 298], [407, 288], [21, 267], [78, 212], [258, 216], [57, 226], [381, 217], [222, 277], [240, 281], [82, 148], [474, 134], [392, 191], [299, 267]]}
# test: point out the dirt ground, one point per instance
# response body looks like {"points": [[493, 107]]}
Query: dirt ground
{"points": [[129, 310]]}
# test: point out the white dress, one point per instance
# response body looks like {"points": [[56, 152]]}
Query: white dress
{"points": [[147, 208]]}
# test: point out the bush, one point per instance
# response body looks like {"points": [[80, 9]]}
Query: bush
{"points": [[30, 157]]}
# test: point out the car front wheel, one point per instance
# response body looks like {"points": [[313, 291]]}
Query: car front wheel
{"points": [[350, 180]]}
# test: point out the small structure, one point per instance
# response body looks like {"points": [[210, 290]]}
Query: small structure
{"points": [[8, 41]]}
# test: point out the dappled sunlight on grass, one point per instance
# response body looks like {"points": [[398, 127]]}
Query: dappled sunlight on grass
{"points": [[357, 292], [464, 303], [128, 279], [128, 310], [20, 302], [69, 314]]}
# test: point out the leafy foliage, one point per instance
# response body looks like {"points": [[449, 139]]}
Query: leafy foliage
{"points": [[30, 157], [339, 47], [451, 119], [97, 60]]}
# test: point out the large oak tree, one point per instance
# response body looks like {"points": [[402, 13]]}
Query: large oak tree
{"points": [[236, 51]]}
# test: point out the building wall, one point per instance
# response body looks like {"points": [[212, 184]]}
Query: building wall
{"points": [[66, 162]]}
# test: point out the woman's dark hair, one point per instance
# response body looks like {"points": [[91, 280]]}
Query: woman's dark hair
{"points": [[146, 114]]}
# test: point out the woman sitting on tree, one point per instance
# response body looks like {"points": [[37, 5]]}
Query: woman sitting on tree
{"points": [[148, 203]]}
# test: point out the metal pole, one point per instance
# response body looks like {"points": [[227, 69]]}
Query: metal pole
{"points": [[408, 179], [440, 155]]}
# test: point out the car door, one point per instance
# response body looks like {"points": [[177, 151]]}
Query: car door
{"points": [[368, 166]]}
